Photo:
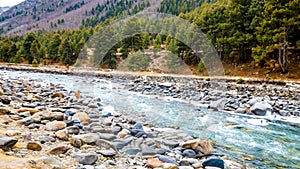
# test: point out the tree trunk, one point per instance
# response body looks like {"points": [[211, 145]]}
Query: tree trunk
{"points": [[283, 53]]}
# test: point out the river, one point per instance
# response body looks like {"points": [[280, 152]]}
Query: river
{"points": [[275, 145]]}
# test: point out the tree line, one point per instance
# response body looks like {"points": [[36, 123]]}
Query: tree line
{"points": [[241, 31]]}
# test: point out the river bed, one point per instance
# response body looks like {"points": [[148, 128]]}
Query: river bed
{"points": [[275, 145]]}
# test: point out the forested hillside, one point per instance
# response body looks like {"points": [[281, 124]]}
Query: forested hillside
{"points": [[41, 16], [259, 33]]}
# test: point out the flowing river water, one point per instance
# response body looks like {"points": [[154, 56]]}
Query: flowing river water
{"points": [[276, 145]]}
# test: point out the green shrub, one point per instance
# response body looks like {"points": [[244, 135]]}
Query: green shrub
{"points": [[35, 63], [137, 61], [240, 81], [201, 67]]}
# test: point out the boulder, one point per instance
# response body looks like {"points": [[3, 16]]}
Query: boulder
{"points": [[86, 159], [7, 142], [261, 108], [204, 147], [218, 105]]}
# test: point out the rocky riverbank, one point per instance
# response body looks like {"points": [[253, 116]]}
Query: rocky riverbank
{"points": [[263, 101], [45, 126]]}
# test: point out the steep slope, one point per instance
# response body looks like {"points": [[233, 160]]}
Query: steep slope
{"points": [[34, 15], [3, 9]]}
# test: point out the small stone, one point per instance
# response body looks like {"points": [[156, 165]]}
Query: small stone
{"points": [[55, 125], [73, 130], [76, 142], [12, 133], [46, 139], [240, 111], [49, 161], [32, 111], [186, 167], [86, 159], [88, 167], [106, 136], [153, 163], [108, 153], [82, 117], [166, 159], [123, 133], [4, 110], [7, 142], [132, 151], [213, 162], [101, 167], [34, 146], [88, 138], [62, 134], [146, 150], [108, 121], [189, 153], [71, 112], [59, 150], [5, 100], [169, 166], [58, 94]]}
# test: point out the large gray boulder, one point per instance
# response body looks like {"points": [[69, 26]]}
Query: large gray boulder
{"points": [[261, 108], [218, 105]]}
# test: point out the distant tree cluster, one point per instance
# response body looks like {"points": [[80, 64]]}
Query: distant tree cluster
{"points": [[112, 9], [178, 6], [47, 48], [74, 7]]}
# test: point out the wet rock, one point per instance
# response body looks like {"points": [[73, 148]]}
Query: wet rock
{"points": [[82, 117], [213, 162], [240, 111], [7, 142], [55, 125], [261, 108], [218, 105], [86, 159], [199, 145], [34, 146], [153, 163], [59, 150]]}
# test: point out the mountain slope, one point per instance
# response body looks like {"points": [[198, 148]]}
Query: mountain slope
{"points": [[3, 9], [34, 15]]}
